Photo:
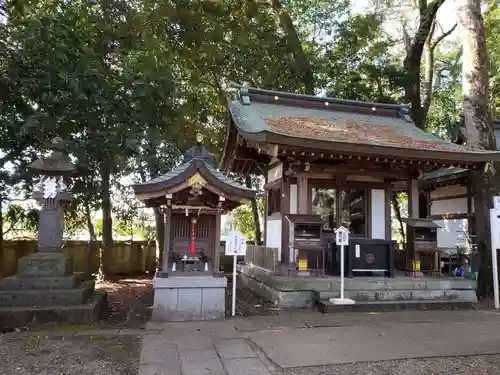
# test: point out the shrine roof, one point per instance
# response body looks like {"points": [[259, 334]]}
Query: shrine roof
{"points": [[182, 169], [341, 125], [196, 168]]}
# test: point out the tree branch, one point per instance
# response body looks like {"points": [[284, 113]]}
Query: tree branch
{"points": [[442, 36]]}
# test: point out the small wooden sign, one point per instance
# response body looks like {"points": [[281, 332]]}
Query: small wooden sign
{"points": [[342, 236]]}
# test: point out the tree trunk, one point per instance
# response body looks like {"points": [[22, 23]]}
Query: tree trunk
{"points": [[160, 235], [478, 128], [295, 46], [412, 61], [255, 213], [92, 242], [153, 171], [397, 211], [107, 221], [1, 226]]}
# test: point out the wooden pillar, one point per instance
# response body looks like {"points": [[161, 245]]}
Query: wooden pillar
{"points": [[413, 207], [216, 265], [266, 205], [388, 221], [302, 194], [285, 225], [166, 239]]}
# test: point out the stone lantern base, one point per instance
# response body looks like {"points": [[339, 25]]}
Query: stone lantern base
{"points": [[45, 289]]}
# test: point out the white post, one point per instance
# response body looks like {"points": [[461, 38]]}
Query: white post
{"points": [[233, 305], [495, 243], [341, 271], [342, 240]]}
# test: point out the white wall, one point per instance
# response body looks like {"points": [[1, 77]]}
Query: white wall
{"points": [[274, 173], [449, 236], [273, 232], [293, 198], [497, 136], [378, 221], [449, 206]]}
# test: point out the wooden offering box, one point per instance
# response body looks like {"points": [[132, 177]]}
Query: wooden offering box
{"points": [[422, 253], [306, 243]]}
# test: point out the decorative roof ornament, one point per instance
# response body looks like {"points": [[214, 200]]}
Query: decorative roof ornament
{"points": [[199, 151]]}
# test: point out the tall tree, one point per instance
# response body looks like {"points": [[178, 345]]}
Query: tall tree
{"points": [[414, 47], [478, 129]]}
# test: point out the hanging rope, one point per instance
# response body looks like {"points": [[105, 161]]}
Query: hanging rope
{"points": [[192, 247]]}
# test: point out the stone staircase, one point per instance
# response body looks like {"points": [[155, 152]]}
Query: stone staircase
{"points": [[46, 289], [412, 294]]}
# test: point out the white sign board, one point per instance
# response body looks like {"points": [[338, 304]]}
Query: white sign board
{"points": [[236, 243], [496, 203], [342, 236]]}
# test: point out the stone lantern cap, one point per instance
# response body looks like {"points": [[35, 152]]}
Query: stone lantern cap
{"points": [[57, 163]]}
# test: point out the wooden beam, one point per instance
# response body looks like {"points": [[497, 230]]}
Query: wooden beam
{"points": [[216, 266], [449, 197], [166, 240]]}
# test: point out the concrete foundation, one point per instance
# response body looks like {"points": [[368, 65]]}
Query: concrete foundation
{"points": [[189, 297], [286, 291]]}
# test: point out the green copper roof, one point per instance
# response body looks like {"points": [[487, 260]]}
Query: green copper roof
{"points": [[260, 113]]}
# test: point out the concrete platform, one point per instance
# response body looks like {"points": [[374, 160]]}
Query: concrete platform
{"points": [[189, 297], [325, 306], [288, 291], [87, 313], [261, 345]]}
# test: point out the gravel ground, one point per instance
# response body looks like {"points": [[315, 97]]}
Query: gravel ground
{"points": [[83, 355], [477, 365]]}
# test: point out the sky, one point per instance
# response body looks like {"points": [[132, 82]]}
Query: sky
{"points": [[446, 16]]}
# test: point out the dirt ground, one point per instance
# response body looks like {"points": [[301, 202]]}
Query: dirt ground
{"points": [[478, 365], [74, 355]]}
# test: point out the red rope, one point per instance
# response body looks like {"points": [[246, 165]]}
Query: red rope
{"points": [[192, 247]]}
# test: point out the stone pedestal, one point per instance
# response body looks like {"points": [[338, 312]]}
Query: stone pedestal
{"points": [[46, 289], [189, 297]]}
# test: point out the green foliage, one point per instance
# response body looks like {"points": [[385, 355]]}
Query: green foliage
{"points": [[492, 29], [244, 221], [19, 221]]}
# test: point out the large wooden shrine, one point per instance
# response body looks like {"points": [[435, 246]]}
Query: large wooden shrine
{"points": [[190, 285], [336, 162]]}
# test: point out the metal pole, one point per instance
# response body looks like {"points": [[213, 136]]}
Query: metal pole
{"points": [[233, 306], [341, 271], [494, 248]]}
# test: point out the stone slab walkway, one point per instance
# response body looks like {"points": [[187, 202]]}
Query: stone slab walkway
{"points": [[262, 345]]}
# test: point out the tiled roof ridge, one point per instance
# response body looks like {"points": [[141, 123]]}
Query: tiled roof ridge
{"points": [[246, 91]]}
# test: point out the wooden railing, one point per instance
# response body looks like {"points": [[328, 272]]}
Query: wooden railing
{"points": [[263, 257]]}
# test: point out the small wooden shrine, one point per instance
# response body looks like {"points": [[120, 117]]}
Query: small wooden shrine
{"points": [[194, 196], [339, 161]]}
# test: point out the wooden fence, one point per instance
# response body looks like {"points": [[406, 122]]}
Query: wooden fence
{"points": [[263, 257], [126, 258]]}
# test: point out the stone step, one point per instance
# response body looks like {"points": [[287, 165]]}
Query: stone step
{"points": [[45, 282], [37, 297], [401, 295], [86, 313], [325, 306]]}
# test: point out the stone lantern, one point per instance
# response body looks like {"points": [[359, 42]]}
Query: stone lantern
{"points": [[45, 287], [52, 195]]}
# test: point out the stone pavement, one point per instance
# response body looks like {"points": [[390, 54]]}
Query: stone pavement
{"points": [[262, 345]]}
